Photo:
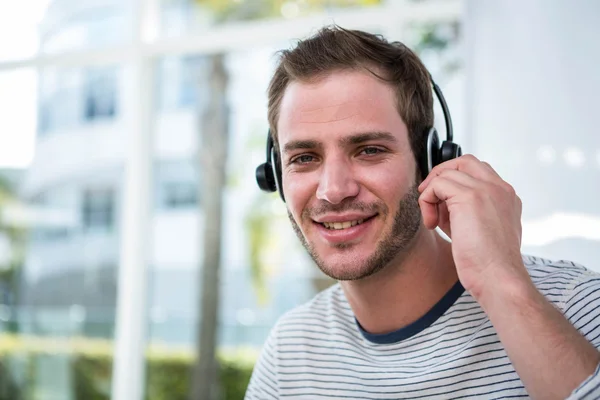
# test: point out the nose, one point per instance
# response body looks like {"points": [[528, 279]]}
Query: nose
{"points": [[337, 182]]}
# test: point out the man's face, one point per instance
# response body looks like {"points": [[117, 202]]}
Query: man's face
{"points": [[348, 173]]}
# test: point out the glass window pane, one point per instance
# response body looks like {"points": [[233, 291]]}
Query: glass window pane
{"points": [[97, 211], [18, 122], [100, 93], [181, 82], [59, 242], [68, 26], [19, 24], [75, 98], [176, 184], [54, 26]]}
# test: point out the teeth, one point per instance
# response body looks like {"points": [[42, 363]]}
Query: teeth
{"points": [[342, 225]]}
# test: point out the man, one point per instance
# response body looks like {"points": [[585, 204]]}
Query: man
{"points": [[413, 316]]}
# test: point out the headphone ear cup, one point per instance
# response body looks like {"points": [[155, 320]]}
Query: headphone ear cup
{"points": [[449, 151], [265, 178]]}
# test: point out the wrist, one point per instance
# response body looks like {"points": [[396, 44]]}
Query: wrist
{"points": [[505, 289]]}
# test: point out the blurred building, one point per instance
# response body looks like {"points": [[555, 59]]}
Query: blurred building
{"points": [[76, 182]]}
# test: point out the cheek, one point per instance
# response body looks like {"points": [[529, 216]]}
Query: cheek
{"points": [[389, 188], [298, 193]]}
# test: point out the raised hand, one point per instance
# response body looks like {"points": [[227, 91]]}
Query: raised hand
{"points": [[481, 213]]}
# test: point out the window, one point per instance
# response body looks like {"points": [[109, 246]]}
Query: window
{"points": [[60, 99], [100, 93], [98, 209], [50, 234], [194, 75], [72, 96], [176, 184], [83, 27], [179, 194], [181, 81]]}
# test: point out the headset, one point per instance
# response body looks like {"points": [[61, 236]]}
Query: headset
{"points": [[268, 174]]}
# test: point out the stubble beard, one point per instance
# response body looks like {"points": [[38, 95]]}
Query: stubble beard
{"points": [[397, 240]]}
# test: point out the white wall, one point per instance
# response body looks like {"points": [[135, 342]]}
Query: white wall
{"points": [[532, 89]]}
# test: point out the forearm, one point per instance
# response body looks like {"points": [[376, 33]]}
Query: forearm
{"points": [[551, 357]]}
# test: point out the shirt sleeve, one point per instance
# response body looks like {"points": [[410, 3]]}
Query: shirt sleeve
{"points": [[264, 382], [582, 308], [589, 389]]}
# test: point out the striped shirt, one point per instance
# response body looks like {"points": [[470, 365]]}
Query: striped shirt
{"points": [[318, 350]]}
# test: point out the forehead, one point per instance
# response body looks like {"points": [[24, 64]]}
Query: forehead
{"points": [[342, 103]]}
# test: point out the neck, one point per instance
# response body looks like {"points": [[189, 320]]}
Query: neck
{"points": [[407, 288]]}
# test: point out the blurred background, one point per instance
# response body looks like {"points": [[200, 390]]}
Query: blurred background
{"points": [[138, 258]]}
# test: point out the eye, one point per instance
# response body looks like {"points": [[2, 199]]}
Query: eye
{"points": [[371, 151], [302, 159]]}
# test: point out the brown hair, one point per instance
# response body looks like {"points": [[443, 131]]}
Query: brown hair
{"points": [[335, 48]]}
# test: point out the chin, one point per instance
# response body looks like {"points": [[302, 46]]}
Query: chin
{"points": [[345, 267]]}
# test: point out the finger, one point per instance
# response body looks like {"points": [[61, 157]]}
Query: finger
{"points": [[441, 189], [468, 164], [491, 169], [453, 174], [444, 218]]}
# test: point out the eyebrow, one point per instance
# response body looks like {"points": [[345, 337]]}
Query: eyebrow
{"points": [[301, 144], [348, 140], [367, 136]]}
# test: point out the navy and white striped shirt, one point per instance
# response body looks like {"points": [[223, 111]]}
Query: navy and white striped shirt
{"points": [[319, 351]]}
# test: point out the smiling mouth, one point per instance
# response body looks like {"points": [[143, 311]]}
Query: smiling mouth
{"points": [[344, 224]]}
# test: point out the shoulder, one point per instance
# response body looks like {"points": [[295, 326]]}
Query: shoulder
{"points": [[563, 282], [542, 269], [573, 289]]}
